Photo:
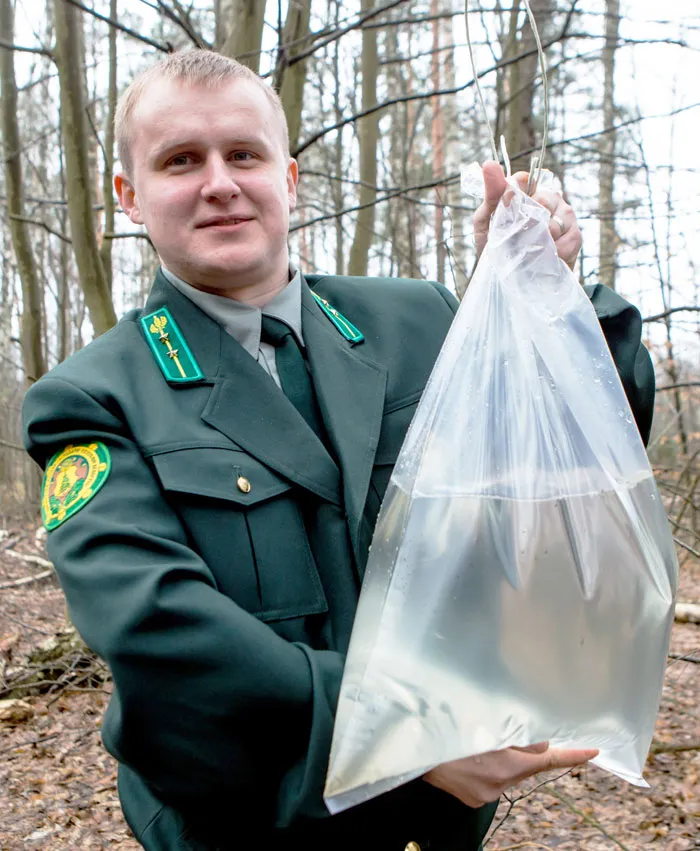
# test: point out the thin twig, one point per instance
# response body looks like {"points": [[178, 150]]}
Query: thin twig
{"points": [[39, 223], [26, 580], [680, 657], [26, 625], [164, 48], [566, 800], [660, 747], [185, 25], [41, 50], [12, 541], [678, 385], [659, 316], [686, 547], [38, 741], [30, 559]]}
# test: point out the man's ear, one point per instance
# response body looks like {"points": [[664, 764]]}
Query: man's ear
{"points": [[292, 181], [127, 198]]}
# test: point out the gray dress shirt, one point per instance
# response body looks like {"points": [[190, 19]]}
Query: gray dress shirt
{"points": [[243, 321]]}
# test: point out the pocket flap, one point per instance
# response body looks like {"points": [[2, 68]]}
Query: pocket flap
{"points": [[218, 473]]}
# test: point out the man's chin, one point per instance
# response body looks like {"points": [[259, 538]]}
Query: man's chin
{"points": [[237, 279]]}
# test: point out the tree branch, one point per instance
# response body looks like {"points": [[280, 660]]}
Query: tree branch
{"points": [[137, 234], [372, 13], [43, 51], [165, 48], [182, 21], [684, 545], [658, 316], [440, 182], [678, 385], [503, 63], [613, 129], [43, 225]]}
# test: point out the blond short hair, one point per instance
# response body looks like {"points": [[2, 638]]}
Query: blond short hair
{"points": [[192, 67]]}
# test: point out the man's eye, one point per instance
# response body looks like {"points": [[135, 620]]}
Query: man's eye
{"points": [[242, 156], [180, 160]]}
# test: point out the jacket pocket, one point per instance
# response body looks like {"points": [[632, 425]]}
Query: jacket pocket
{"points": [[247, 524]]}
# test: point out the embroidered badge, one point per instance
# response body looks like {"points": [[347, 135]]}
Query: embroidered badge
{"points": [[172, 353], [346, 328], [72, 478]]}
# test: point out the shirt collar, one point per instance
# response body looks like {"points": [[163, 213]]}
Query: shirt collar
{"points": [[243, 321]]}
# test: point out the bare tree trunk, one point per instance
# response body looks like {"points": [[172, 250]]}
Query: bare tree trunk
{"points": [[520, 122], [368, 132], [456, 243], [31, 330], [289, 81], [75, 142], [437, 139], [239, 28], [108, 172], [337, 187], [63, 326], [607, 263]]}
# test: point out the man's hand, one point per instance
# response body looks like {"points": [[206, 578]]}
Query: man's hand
{"points": [[562, 224], [478, 780]]}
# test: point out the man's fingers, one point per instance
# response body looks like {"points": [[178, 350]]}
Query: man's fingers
{"points": [[552, 759], [562, 223], [569, 758]]}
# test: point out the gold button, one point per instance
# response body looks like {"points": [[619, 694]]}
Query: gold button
{"points": [[412, 846], [244, 487]]}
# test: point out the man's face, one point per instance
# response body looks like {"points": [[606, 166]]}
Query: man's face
{"points": [[212, 184]]}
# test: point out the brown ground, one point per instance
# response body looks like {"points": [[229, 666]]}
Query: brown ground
{"points": [[57, 784]]}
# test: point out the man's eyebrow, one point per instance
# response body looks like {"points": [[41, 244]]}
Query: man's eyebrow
{"points": [[242, 139]]}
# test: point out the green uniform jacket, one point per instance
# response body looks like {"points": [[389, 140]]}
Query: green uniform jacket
{"points": [[224, 615]]}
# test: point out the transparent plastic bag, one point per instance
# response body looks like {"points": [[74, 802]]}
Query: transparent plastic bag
{"points": [[521, 579]]}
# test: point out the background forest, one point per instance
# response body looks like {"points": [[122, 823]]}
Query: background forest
{"points": [[383, 113]]}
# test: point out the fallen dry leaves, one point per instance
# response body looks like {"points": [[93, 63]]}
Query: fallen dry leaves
{"points": [[58, 785]]}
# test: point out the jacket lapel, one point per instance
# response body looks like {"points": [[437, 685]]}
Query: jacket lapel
{"points": [[350, 389], [245, 403]]}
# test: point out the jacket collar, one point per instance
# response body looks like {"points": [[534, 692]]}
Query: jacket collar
{"points": [[247, 406]]}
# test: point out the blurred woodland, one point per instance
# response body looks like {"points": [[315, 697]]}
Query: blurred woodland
{"points": [[383, 113]]}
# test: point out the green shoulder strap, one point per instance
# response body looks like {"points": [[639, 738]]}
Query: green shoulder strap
{"points": [[172, 354]]}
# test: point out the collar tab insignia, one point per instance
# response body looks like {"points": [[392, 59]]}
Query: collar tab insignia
{"points": [[347, 329], [172, 354], [73, 476]]}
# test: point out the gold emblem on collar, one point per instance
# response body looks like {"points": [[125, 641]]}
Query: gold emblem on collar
{"points": [[169, 347]]}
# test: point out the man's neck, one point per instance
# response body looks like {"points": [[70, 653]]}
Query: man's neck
{"points": [[255, 294]]}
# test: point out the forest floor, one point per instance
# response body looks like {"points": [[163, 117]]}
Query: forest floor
{"points": [[58, 784]]}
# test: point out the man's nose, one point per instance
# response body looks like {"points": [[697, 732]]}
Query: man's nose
{"points": [[219, 183]]}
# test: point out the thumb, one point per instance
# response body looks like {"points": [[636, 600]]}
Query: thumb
{"points": [[494, 184]]}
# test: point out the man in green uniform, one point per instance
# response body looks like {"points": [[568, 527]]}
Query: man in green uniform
{"points": [[210, 506]]}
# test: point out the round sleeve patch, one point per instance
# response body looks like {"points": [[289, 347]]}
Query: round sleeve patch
{"points": [[73, 476]]}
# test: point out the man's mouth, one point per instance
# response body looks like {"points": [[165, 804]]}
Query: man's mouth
{"points": [[224, 221]]}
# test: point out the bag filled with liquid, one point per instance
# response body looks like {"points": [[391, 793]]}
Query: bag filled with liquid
{"points": [[520, 585]]}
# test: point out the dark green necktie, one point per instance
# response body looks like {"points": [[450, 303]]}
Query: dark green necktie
{"points": [[293, 372]]}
